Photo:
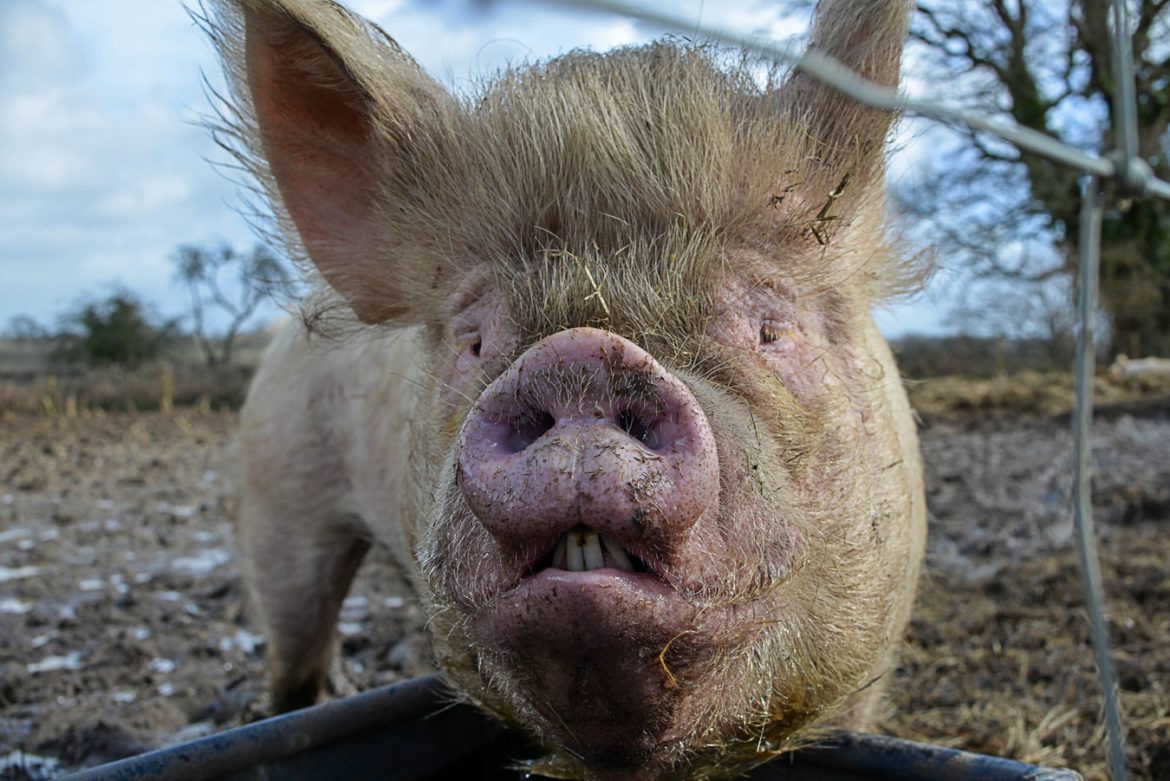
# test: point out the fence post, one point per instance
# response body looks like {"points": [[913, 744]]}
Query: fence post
{"points": [[1090, 256]]}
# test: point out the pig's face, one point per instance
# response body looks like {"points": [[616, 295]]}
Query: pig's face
{"points": [[645, 555], [667, 491]]}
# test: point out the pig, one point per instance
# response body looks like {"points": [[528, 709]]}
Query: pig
{"points": [[590, 350]]}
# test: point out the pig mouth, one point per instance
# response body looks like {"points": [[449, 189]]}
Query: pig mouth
{"points": [[582, 549]]}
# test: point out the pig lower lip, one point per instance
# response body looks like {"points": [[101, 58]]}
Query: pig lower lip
{"points": [[596, 601], [603, 579], [566, 612], [589, 647]]}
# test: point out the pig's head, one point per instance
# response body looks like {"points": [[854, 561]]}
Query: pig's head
{"points": [[668, 489]]}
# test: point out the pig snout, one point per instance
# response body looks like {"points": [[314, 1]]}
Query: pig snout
{"points": [[586, 437]]}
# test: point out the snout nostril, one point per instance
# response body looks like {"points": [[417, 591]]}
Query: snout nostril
{"points": [[528, 429], [640, 427]]}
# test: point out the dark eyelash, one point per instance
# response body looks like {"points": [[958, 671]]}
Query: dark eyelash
{"points": [[772, 332]]}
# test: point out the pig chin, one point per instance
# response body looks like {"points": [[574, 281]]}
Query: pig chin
{"points": [[617, 667], [589, 654]]}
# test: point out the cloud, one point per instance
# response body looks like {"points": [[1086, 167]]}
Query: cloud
{"points": [[101, 171], [37, 47]]}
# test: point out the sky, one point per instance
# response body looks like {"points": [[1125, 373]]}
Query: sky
{"points": [[105, 170]]}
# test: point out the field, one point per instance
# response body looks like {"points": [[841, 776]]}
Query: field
{"points": [[122, 624]]}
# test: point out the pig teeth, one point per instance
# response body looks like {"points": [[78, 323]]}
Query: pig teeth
{"points": [[582, 550], [574, 552], [617, 554], [559, 558], [591, 549]]}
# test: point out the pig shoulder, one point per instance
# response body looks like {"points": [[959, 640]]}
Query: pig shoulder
{"points": [[325, 428]]}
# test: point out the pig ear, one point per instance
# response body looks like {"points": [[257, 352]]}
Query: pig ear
{"points": [[866, 36], [333, 101]]}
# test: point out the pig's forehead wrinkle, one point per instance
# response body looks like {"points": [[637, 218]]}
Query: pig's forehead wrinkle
{"points": [[639, 294]]}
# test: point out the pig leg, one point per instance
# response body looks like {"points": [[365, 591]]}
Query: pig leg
{"points": [[298, 574]]}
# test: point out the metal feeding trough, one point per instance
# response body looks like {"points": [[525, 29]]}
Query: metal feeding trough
{"points": [[411, 730]]}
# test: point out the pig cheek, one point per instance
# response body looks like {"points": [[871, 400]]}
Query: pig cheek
{"points": [[766, 537], [805, 369], [472, 563], [453, 549], [457, 383], [762, 511]]}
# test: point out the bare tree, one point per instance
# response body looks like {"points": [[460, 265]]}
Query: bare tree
{"points": [[1011, 215], [24, 329], [1028, 315], [261, 275]]}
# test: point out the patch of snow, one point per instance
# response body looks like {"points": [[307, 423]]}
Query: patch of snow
{"points": [[163, 666], [349, 628], [179, 511], [124, 696], [203, 563], [394, 602], [17, 573], [16, 606], [193, 731], [20, 764], [355, 609], [91, 584], [70, 661], [246, 641], [15, 533]]}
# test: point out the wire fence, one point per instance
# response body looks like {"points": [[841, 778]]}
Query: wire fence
{"points": [[1122, 167]]}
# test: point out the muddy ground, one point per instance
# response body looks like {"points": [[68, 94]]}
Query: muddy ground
{"points": [[122, 629]]}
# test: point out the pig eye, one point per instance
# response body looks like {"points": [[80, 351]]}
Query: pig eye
{"points": [[470, 343], [773, 331]]}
